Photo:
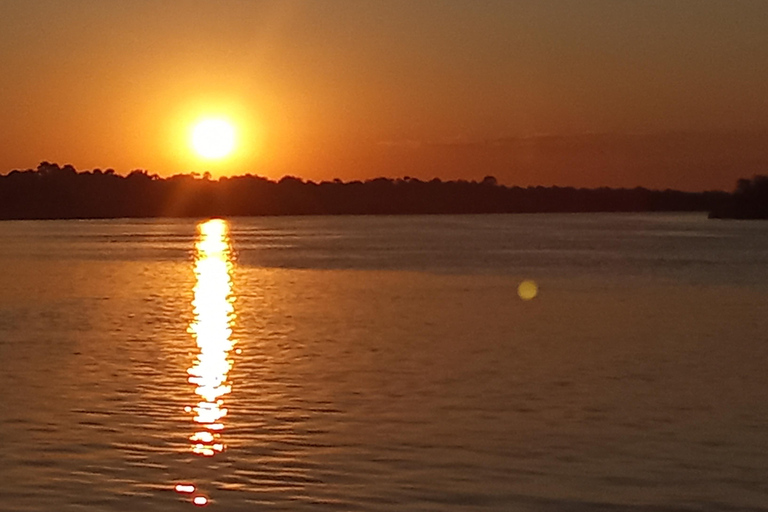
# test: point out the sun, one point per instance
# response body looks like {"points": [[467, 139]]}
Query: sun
{"points": [[213, 138]]}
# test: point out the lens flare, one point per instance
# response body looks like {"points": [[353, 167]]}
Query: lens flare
{"points": [[528, 290], [212, 329]]}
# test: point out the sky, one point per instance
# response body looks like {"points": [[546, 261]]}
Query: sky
{"points": [[619, 93]]}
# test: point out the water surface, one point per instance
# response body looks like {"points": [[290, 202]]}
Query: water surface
{"points": [[385, 363]]}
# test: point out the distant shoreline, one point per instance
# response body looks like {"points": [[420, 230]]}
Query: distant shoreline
{"points": [[54, 192], [312, 215], [748, 202]]}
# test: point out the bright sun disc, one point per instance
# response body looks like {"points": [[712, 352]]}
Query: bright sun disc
{"points": [[213, 138]]}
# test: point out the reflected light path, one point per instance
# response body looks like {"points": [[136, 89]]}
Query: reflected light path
{"points": [[212, 329]]}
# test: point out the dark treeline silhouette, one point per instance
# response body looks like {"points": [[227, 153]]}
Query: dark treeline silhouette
{"points": [[54, 192], [748, 201]]}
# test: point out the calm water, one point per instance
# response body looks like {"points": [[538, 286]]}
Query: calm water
{"points": [[384, 363]]}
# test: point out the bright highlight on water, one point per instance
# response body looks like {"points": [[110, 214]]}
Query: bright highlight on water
{"points": [[185, 488], [211, 328]]}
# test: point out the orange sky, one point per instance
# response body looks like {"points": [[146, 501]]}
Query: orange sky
{"points": [[590, 93]]}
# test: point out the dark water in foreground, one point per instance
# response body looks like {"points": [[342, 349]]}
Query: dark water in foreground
{"points": [[385, 363]]}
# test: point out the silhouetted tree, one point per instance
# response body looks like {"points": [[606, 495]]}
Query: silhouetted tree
{"points": [[748, 201]]}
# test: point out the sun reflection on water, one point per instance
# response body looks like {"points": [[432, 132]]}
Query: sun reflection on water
{"points": [[212, 329]]}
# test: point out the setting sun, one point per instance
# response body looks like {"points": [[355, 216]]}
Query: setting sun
{"points": [[213, 138]]}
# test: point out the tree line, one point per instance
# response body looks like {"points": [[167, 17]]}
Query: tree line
{"points": [[55, 192], [748, 201]]}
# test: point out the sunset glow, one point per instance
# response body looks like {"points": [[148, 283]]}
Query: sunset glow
{"points": [[615, 94], [300, 255]]}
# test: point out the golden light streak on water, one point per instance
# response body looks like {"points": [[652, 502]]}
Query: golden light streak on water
{"points": [[212, 329]]}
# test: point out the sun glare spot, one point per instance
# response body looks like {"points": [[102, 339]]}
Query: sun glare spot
{"points": [[213, 138]]}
